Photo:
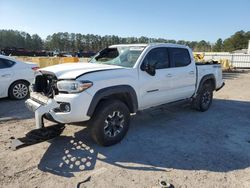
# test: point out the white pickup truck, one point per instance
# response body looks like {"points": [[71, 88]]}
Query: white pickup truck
{"points": [[118, 81]]}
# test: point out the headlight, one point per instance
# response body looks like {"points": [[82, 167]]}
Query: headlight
{"points": [[73, 86]]}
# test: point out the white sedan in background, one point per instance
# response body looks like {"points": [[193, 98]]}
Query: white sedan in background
{"points": [[15, 77]]}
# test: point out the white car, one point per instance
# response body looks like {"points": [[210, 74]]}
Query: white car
{"points": [[15, 77], [121, 80]]}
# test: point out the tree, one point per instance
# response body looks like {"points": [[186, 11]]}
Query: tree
{"points": [[28, 41], [202, 46], [237, 41], [218, 46], [37, 43]]}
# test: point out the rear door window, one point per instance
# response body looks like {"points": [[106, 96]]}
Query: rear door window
{"points": [[5, 63], [179, 57]]}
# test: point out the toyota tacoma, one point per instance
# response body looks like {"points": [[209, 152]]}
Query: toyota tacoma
{"points": [[119, 81]]}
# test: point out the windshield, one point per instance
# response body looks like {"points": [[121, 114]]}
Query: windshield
{"points": [[120, 56]]}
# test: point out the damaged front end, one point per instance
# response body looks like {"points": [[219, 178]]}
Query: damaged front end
{"points": [[45, 83], [59, 100], [42, 93]]}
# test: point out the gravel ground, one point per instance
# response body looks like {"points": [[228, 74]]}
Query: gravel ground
{"points": [[172, 143]]}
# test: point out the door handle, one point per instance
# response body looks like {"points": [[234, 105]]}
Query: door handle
{"points": [[169, 75], [191, 72], [5, 75]]}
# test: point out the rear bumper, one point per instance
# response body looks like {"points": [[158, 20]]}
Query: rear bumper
{"points": [[223, 84], [47, 108]]}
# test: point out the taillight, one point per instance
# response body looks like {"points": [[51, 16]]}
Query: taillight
{"points": [[35, 68]]}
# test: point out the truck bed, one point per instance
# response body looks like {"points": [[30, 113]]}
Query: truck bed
{"points": [[206, 68]]}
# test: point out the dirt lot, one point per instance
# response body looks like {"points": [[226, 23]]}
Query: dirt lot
{"points": [[174, 143]]}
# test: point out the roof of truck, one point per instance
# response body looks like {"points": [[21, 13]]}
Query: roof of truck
{"points": [[128, 45], [149, 44]]}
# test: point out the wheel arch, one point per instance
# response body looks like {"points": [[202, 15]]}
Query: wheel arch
{"points": [[125, 93], [207, 78]]}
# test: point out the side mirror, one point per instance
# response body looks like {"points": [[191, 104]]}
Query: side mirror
{"points": [[150, 69]]}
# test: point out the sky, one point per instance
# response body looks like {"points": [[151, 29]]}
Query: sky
{"points": [[192, 20]]}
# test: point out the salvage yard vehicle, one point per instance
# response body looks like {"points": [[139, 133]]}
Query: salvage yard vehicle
{"points": [[15, 77], [119, 81]]}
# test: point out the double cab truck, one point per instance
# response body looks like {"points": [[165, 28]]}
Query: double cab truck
{"points": [[119, 81]]}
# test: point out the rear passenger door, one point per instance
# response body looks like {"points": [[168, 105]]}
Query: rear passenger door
{"points": [[183, 73]]}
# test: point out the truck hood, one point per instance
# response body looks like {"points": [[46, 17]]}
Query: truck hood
{"points": [[74, 70]]}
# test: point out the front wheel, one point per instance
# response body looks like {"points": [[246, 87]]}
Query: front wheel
{"points": [[110, 122], [204, 98]]}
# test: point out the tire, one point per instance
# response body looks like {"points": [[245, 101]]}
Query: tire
{"points": [[110, 122], [204, 98], [19, 90]]}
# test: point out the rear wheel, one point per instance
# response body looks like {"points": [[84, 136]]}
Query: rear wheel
{"points": [[204, 98], [110, 122], [19, 90]]}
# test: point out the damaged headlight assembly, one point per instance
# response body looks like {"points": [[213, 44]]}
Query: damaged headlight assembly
{"points": [[73, 86]]}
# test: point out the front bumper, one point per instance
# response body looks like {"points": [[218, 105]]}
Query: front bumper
{"points": [[41, 109], [45, 107]]}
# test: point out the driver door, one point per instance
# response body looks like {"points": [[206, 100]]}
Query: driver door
{"points": [[156, 89]]}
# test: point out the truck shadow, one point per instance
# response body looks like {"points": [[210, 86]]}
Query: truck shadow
{"points": [[68, 154], [161, 139]]}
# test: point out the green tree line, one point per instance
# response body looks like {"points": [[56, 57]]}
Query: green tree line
{"points": [[73, 42], [17, 39], [237, 41]]}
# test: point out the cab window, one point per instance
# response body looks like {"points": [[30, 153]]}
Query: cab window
{"points": [[179, 57], [158, 57]]}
